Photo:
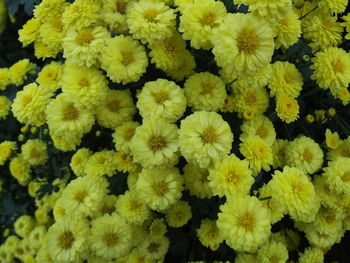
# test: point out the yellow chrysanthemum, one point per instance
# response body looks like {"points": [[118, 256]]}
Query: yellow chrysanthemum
{"points": [[110, 237], [67, 239], [101, 163], [332, 139], [337, 175], [205, 91], [24, 225], [272, 251], [79, 160], [196, 181], [155, 144], [66, 143], [161, 99], [311, 255], [83, 46], [279, 153], [66, 118], [124, 59], [260, 126], [50, 76], [4, 78], [154, 248], [296, 193], [285, 80], [18, 71], [179, 214], [159, 189], [243, 43], [5, 106], [243, 257], [158, 227], [287, 108], [30, 104], [43, 51], [230, 177], [304, 153], [48, 10], [29, 32], [333, 6], [185, 68], [204, 137], [198, 21], [52, 33], [257, 152], [150, 20], [20, 170], [209, 234], [344, 95], [244, 223], [7, 148], [34, 151], [331, 69], [123, 135], [346, 24], [288, 30]]}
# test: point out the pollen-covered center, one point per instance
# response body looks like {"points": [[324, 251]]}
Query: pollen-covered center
{"points": [[151, 15], [338, 66], [84, 37], [84, 82], [34, 153], [120, 7], [70, 113], [247, 221], [346, 177], [262, 132], [232, 176], [247, 41], [153, 247], [297, 188], [307, 155], [134, 205], [207, 88], [160, 188], [250, 98], [107, 209], [110, 239], [113, 105], [209, 135], [274, 259], [157, 143], [160, 96], [66, 240], [80, 196], [127, 58], [208, 19], [128, 133], [26, 99], [288, 77]]}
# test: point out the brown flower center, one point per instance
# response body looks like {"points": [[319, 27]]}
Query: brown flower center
{"points": [[110, 239], [156, 143], [247, 41], [209, 135], [247, 221], [70, 113], [66, 240]]}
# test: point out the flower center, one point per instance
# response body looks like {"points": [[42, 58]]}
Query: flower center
{"points": [[84, 82], [127, 57], [247, 41], [70, 113], [84, 37], [110, 239], [307, 155], [107, 209], [160, 96], [274, 259], [206, 88], [113, 105], [120, 6], [346, 177], [288, 77], [297, 188], [80, 196], [160, 188], [150, 15], [129, 133], [156, 143], [134, 205], [232, 176], [208, 19], [262, 132], [250, 98], [34, 153], [170, 48], [66, 240], [338, 66], [209, 135], [246, 221], [26, 99], [153, 247]]}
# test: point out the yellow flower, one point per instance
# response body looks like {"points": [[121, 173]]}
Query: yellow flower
{"points": [[198, 21], [20, 170], [287, 108], [43, 51], [161, 99], [288, 30], [285, 80], [304, 153], [311, 255], [123, 135], [4, 78], [257, 152], [110, 237], [124, 59], [65, 143], [333, 6], [332, 69], [205, 91], [67, 239], [52, 33], [243, 43], [272, 251], [209, 234], [337, 175], [155, 144], [5, 106], [185, 68], [83, 46], [159, 189], [154, 248], [260, 126], [24, 225], [346, 24], [50, 76], [79, 160], [48, 10], [101, 163], [29, 32], [332, 139], [7, 148], [294, 190], [230, 177], [179, 214], [344, 95], [150, 20], [244, 223], [157, 228], [18, 71], [204, 137], [34, 151], [196, 181], [279, 153]]}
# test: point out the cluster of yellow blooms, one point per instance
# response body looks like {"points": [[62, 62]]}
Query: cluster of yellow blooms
{"points": [[109, 44]]}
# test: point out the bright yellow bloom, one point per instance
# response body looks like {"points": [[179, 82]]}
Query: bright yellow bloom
{"points": [[4, 78], [260, 126], [209, 234], [337, 175], [179, 214], [29, 32], [48, 10], [332, 139], [18, 71], [5, 106], [272, 251], [34, 151], [50, 76], [7, 148], [287, 108], [123, 135], [288, 30], [196, 181], [101, 163]]}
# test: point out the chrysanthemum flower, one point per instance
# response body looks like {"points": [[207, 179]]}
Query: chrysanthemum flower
{"points": [[4, 78], [185, 68], [43, 51], [20, 169], [161, 99], [5, 106], [179, 214], [83, 195], [66, 118], [79, 160], [243, 43], [257, 152], [29, 32], [196, 181], [101, 163], [243, 257], [198, 21], [244, 223], [67, 239], [287, 108], [337, 175], [34, 151], [52, 33], [18, 71], [209, 234], [279, 153], [257, 80], [50, 76], [124, 59], [332, 139], [322, 30], [230, 177], [159, 188], [48, 10], [311, 255], [268, 9], [333, 6], [346, 24], [205, 91], [7, 148], [272, 251], [30, 104], [204, 137], [87, 87], [114, 15], [66, 144], [343, 150], [110, 237], [155, 143], [323, 239], [331, 69], [288, 30], [285, 80], [154, 248], [150, 20], [83, 46], [260, 126], [123, 135], [304, 153], [296, 193]]}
